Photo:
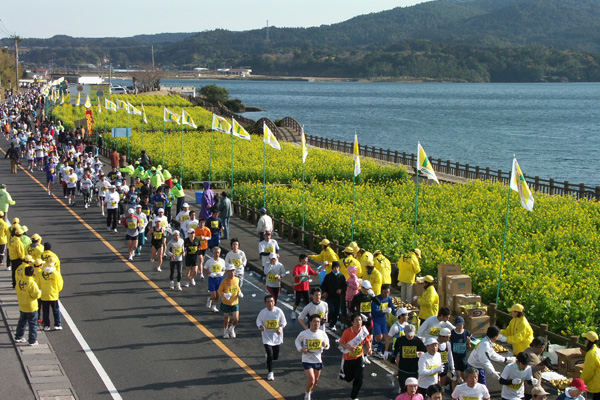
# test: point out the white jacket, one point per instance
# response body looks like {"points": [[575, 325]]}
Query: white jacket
{"points": [[483, 355]]}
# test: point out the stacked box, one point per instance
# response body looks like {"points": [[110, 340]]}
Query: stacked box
{"points": [[458, 284], [445, 270], [568, 359], [478, 325], [476, 311]]}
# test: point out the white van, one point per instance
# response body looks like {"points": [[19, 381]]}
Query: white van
{"points": [[118, 90]]}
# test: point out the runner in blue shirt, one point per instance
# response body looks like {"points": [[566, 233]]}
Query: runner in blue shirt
{"points": [[379, 315]]}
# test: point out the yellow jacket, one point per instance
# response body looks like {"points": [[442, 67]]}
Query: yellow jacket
{"points": [[3, 231], [429, 303], [326, 255], [366, 257], [408, 268], [35, 250], [383, 265], [591, 370], [374, 277], [519, 334], [231, 286], [27, 293], [49, 253], [348, 262], [16, 250], [50, 282]]}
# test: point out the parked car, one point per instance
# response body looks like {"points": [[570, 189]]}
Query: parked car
{"points": [[118, 90]]}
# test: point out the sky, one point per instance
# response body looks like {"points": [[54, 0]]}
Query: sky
{"points": [[111, 18]]}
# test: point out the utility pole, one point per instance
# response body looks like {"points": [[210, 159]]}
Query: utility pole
{"points": [[17, 40], [153, 58], [267, 38]]}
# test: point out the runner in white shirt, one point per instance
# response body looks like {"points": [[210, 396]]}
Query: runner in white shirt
{"points": [[238, 258], [70, 179], [271, 322], [214, 266], [471, 389], [190, 223], [514, 376], [316, 306], [311, 343], [86, 190], [431, 327], [183, 215], [265, 248], [102, 186], [430, 365]]}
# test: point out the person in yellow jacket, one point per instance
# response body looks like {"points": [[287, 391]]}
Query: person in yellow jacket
{"points": [[20, 271], [35, 249], [50, 282], [383, 265], [327, 254], [348, 261], [355, 248], [429, 302], [364, 257], [4, 234], [591, 365], [49, 253], [28, 294], [519, 332], [229, 291], [408, 268], [16, 253], [371, 274]]}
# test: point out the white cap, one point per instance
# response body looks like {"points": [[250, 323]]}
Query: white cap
{"points": [[230, 267], [138, 206], [430, 341], [161, 210], [185, 205], [118, 184], [113, 187], [411, 381], [175, 233], [130, 211], [444, 332], [191, 231], [272, 256], [401, 311], [366, 285]]}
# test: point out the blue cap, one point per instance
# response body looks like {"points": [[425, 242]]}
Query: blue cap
{"points": [[459, 321]]}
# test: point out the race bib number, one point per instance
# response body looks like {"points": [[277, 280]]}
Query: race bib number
{"points": [[121, 196], [73, 179], [435, 331], [159, 204], [516, 387], [147, 212], [444, 356], [103, 189], [365, 307], [185, 218], [357, 352], [383, 306], [163, 223], [409, 352], [236, 262], [460, 348], [214, 224], [132, 225], [193, 226], [313, 344], [272, 324], [192, 249], [269, 249], [470, 398], [433, 367], [233, 290], [177, 251], [51, 170], [272, 277], [113, 203], [157, 235], [216, 268]]}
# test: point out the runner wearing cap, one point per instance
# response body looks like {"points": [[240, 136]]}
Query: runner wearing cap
{"points": [[238, 258], [50, 170], [203, 234], [176, 250], [85, 185], [70, 179], [430, 366], [471, 389], [431, 327], [446, 352], [311, 343], [158, 241], [112, 209], [412, 386], [103, 187], [395, 331], [274, 273], [192, 250], [300, 274], [230, 293], [461, 344], [183, 215], [354, 343], [265, 249], [160, 216], [132, 223], [270, 322], [142, 224], [408, 349], [215, 267], [327, 254]]}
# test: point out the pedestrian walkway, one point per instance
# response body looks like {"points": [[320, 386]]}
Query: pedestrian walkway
{"points": [[42, 376]]}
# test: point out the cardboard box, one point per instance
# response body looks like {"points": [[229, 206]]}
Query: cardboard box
{"points": [[458, 284], [568, 359], [418, 289], [462, 300], [478, 325], [445, 270], [472, 312]]}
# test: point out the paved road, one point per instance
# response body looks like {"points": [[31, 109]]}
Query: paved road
{"points": [[153, 342]]}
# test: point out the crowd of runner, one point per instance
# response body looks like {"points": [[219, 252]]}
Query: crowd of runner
{"points": [[432, 355]]}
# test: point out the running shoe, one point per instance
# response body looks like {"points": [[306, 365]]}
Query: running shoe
{"points": [[232, 331], [178, 286], [58, 328], [34, 343], [158, 269], [225, 333], [214, 308], [270, 376], [208, 303], [22, 340], [367, 361], [193, 282], [293, 314], [46, 328], [187, 284], [108, 227], [172, 286], [115, 230]]}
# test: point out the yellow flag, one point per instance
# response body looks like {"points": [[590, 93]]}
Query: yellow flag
{"points": [[356, 156], [238, 130], [99, 107], [304, 149], [269, 137], [170, 116], [78, 101], [519, 185], [186, 119], [122, 105], [88, 103], [132, 110], [220, 124], [109, 105], [144, 114], [424, 165]]}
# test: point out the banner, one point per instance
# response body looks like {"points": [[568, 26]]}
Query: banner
{"points": [[90, 120]]}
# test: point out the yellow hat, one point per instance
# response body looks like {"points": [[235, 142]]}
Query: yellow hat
{"points": [[591, 336], [348, 250], [417, 252], [516, 307], [51, 261], [24, 228], [16, 220], [370, 263], [376, 252], [1, 213], [324, 242], [426, 278], [35, 236], [354, 246], [38, 261], [18, 231], [28, 259]]}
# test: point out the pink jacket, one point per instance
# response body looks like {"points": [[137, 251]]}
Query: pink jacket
{"points": [[352, 284]]}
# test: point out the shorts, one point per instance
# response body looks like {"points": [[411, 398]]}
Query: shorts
{"points": [[39, 159], [202, 252], [229, 309], [191, 260], [380, 326], [317, 366], [301, 295], [49, 178], [157, 244], [135, 237], [70, 191], [214, 283]]}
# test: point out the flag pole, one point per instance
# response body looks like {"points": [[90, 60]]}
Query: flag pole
{"points": [[181, 162], [163, 150], [353, 193], [143, 133], [504, 241], [303, 185], [416, 204], [212, 134], [116, 126], [232, 161], [264, 172], [128, 134]]}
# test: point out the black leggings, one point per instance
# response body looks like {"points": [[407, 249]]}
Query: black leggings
{"points": [[272, 354], [177, 264], [111, 218], [274, 291], [354, 371]]}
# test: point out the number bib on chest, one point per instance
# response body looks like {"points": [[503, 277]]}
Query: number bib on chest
{"points": [[132, 225], [356, 352], [272, 277], [272, 324], [313, 344], [365, 307], [216, 268], [409, 352]]}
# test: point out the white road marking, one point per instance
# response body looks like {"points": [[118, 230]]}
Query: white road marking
{"points": [[90, 354]]}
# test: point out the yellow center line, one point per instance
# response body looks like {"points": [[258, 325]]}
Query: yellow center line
{"points": [[169, 299]]}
